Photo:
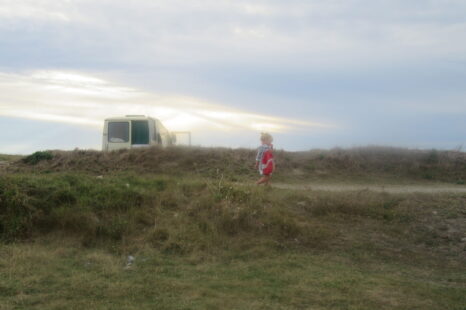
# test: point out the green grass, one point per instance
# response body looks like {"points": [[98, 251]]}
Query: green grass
{"points": [[205, 242], [58, 274], [9, 158], [72, 278]]}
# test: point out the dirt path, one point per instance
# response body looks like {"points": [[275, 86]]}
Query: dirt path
{"points": [[395, 189]]}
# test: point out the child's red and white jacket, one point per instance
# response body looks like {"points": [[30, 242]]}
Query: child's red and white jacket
{"points": [[265, 159]]}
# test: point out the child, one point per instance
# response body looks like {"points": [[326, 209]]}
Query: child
{"points": [[264, 159]]}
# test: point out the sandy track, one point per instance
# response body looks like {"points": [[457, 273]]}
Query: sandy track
{"points": [[395, 189]]}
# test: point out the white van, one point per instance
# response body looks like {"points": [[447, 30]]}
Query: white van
{"points": [[133, 131]]}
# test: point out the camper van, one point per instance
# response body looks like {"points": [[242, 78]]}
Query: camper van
{"points": [[132, 131]]}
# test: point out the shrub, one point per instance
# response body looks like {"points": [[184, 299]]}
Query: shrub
{"points": [[16, 212], [37, 157]]}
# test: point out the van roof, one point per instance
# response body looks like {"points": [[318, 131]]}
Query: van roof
{"points": [[129, 117]]}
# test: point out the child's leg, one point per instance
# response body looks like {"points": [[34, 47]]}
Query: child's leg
{"points": [[268, 177], [264, 180], [261, 180]]}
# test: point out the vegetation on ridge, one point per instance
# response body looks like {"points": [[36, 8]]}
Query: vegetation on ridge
{"points": [[366, 162]]}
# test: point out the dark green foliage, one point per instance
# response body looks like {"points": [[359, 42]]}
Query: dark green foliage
{"points": [[37, 157], [432, 157], [70, 202], [192, 215], [114, 207], [16, 211]]}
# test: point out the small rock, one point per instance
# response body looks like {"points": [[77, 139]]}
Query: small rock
{"points": [[434, 212], [127, 185], [463, 239], [301, 204], [130, 260], [99, 177]]}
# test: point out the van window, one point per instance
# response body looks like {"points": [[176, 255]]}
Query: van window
{"points": [[139, 132], [118, 132]]}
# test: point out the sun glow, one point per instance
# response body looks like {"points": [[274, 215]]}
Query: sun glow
{"points": [[77, 98]]}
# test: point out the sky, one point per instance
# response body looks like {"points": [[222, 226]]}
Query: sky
{"points": [[315, 74]]}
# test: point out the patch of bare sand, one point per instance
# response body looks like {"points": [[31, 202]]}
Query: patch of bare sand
{"points": [[394, 189]]}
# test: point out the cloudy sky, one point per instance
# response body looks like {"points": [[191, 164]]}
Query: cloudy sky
{"points": [[316, 74]]}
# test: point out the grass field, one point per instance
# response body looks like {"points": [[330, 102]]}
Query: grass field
{"points": [[78, 234], [57, 274]]}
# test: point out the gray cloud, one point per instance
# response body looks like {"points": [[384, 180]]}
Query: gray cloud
{"points": [[187, 32]]}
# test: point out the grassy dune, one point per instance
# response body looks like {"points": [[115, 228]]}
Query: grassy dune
{"points": [[365, 164], [206, 238]]}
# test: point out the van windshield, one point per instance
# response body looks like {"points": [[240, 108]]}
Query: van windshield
{"points": [[118, 132]]}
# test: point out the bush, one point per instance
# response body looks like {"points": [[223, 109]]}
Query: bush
{"points": [[16, 212], [37, 157]]}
